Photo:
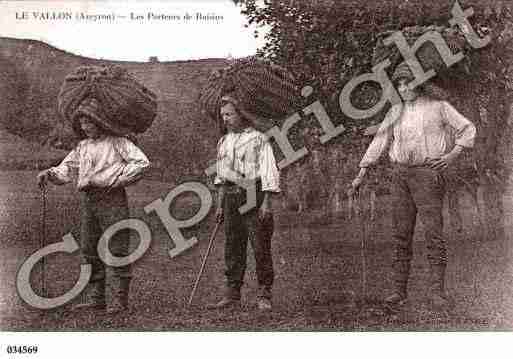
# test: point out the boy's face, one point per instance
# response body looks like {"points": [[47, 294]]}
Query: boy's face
{"points": [[89, 127], [231, 118], [404, 90]]}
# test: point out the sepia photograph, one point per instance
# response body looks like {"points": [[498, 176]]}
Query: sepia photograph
{"points": [[244, 166]]}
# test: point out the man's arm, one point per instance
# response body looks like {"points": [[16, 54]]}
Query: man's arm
{"points": [[378, 145], [136, 162], [465, 130], [382, 138], [60, 174], [464, 137], [269, 176]]}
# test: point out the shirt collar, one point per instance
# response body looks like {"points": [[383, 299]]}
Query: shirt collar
{"points": [[246, 130]]}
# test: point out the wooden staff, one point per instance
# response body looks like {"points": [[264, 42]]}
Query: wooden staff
{"points": [[42, 238], [363, 235], [356, 207], [209, 249]]}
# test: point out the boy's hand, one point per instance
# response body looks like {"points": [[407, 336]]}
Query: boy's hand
{"points": [[357, 182], [446, 160], [265, 211], [42, 178], [354, 186], [219, 214]]}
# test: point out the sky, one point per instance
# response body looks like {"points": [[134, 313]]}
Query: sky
{"points": [[134, 34]]}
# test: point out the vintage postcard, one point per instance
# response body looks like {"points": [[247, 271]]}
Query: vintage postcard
{"points": [[241, 166]]}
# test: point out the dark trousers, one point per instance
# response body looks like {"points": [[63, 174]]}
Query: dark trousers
{"points": [[239, 228], [416, 191], [99, 210]]}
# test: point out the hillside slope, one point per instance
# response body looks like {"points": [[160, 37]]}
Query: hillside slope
{"points": [[31, 73]]}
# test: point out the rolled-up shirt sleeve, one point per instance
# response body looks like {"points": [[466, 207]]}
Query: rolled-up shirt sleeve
{"points": [[269, 174], [136, 162], [382, 138], [61, 174], [465, 131]]}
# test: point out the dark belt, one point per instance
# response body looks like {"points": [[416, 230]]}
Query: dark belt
{"points": [[404, 165], [232, 187], [94, 191]]}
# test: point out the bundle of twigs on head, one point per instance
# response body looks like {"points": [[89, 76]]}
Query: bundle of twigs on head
{"points": [[265, 90], [127, 106], [427, 55]]}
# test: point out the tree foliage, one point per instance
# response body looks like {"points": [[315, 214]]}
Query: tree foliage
{"points": [[326, 43]]}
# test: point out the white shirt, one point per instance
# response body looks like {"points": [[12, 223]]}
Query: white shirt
{"points": [[418, 131], [106, 162], [247, 156]]}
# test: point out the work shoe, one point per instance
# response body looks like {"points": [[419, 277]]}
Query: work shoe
{"points": [[437, 296], [115, 308], [225, 303], [116, 294], [440, 301], [264, 304]]}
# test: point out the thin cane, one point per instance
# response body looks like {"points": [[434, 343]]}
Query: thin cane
{"points": [[350, 204], [361, 222], [355, 207], [209, 248], [43, 237]]}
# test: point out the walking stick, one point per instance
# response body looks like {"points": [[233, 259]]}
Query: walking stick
{"points": [[209, 248], [43, 237], [373, 205], [363, 235], [355, 206]]}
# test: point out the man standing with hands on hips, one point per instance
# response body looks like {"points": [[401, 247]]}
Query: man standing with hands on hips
{"points": [[420, 146], [245, 156]]}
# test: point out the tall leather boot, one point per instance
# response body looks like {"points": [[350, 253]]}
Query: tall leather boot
{"points": [[437, 295], [116, 293], [93, 296], [401, 272]]}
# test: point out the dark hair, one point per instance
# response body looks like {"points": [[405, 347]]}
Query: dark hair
{"points": [[424, 89]]}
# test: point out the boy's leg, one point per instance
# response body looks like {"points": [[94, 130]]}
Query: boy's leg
{"points": [[235, 250], [454, 210], [428, 189], [113, 208], [404, 215], [260, 235], [90, 232]]}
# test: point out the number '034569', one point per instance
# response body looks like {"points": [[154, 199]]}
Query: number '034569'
{"points": [[21, 349]]}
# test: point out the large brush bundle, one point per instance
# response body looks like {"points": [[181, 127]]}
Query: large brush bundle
{"points": [[126, 105], [448, 81], [264, 89], [427, 54]]}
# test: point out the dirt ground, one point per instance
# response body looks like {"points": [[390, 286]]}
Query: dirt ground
{"points": [[318, 265]]}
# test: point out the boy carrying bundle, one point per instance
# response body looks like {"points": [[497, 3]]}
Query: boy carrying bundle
{"points": [[105, 162]]}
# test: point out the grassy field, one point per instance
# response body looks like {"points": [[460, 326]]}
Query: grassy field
{"points": [[318, 273]]}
